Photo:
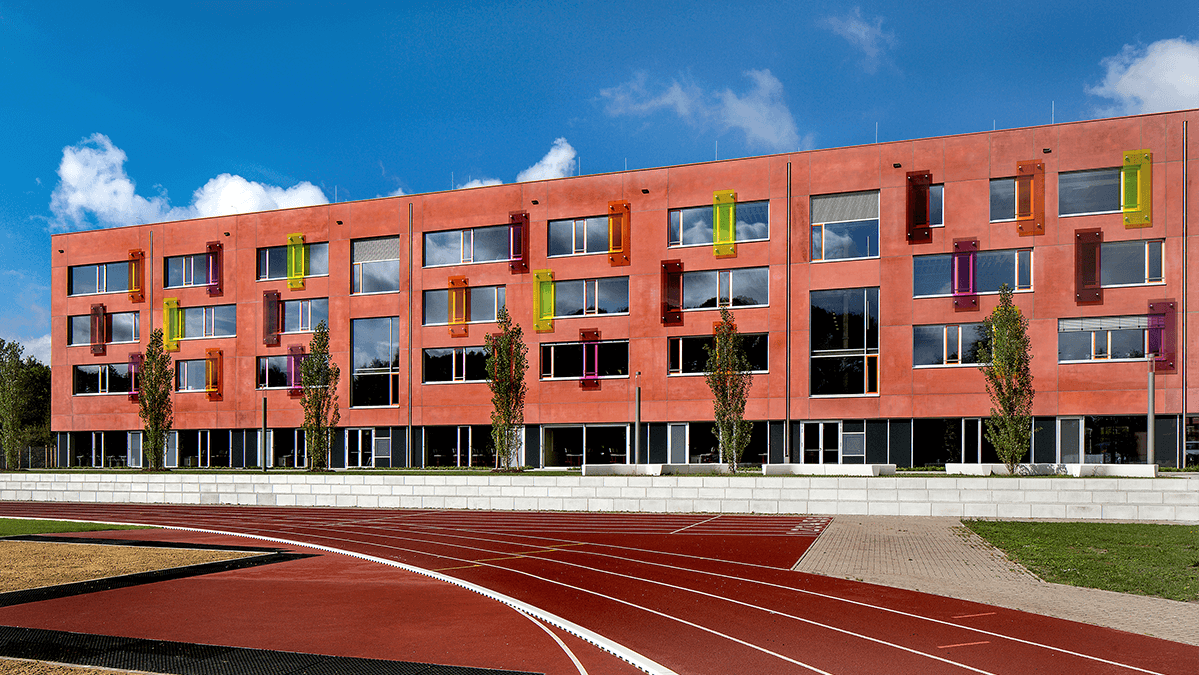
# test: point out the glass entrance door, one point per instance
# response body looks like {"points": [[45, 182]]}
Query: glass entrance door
{"points": [[358, 448], [822, 442], [1069, 440], [678, 443]]}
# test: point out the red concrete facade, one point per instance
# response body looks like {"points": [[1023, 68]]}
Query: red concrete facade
{"points": [[963, 164]]}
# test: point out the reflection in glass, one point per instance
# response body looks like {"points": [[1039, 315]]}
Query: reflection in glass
{"points": [[699, 289], [931, 275], [1082, 192], [1003, 199], [1122, 263]]}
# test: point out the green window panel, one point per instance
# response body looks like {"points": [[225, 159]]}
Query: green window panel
{"points": [[543, 301], [172, 324]]}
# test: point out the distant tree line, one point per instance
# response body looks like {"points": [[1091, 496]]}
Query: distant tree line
{"points": [[24, 403]]}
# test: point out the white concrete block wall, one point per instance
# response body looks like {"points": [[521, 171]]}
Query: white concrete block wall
{"points": [[1162, 499]]}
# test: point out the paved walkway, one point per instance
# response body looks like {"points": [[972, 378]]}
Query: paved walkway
{"points": [[943, 557]]}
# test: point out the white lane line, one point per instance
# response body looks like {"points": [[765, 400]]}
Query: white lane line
{"points": [[964, 644], [700, 522], [542, 626]]}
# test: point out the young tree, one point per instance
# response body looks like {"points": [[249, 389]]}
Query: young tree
{"points": [[1005, 355], [507, 361], [318, 377], [156, 383], [728, 377], [35, 418], [12, 401]]}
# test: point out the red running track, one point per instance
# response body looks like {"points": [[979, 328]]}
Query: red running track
{"points": [[685, 593]]}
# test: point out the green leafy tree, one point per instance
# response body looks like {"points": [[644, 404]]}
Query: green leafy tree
{"points": [[12, 401], [154, 405], [728, 376], [1005, 355], [507, 361], [35, 418], [319, 376]]}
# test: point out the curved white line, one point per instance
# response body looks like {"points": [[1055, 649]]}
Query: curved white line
{"points": [[542, 626]]}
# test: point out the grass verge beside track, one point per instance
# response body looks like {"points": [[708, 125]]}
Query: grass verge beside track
{"points": [[14, 526], [1141, 558]]}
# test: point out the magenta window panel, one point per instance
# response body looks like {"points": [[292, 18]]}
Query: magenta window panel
{"points": [[964, 254], [1162, 334]]}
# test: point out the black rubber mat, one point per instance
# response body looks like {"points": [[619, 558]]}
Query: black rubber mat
{"points": [[183, 658]]}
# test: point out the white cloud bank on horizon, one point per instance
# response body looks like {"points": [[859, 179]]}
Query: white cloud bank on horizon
{"points": [[1162, 76], [93, 184], [867, 36], [760, 113], [559, 162]]}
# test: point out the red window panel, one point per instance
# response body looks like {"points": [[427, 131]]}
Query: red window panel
{"points": [[295, 381], [270, 318], [1087, 262], [99, 330], [1162, 334], [965, 299], [590, 339], [672, 293], [618, 233], [518, 242], [135, 375], [919, 204], [213, 378], [1030, 198], [459, 309], [215, 262], [137, 275]]}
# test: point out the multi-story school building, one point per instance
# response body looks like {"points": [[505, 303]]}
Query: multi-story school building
{"points": [[860, 277]]}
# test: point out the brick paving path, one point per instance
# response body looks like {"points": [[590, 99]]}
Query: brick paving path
{"points": [[943, 557]]}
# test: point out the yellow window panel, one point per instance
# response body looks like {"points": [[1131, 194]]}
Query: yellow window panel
{"points": [[1136, 193], [618, 233], [543, 301], [724, 223], [172, 324], [297, 261]]}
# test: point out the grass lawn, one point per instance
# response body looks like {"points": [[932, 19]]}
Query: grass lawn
{"points": [[1146, 559], [14, 526]]}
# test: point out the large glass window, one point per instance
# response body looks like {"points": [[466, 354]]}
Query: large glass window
{"points": [[185, 270], [591, 296], [272, 261], [936, 206], [477, 245], [693, 226], [574, 360], [844, 334], [272, 372], [484, 302], [375, 265], [207, 322], [744, 287], [948, 345], [375, 351], [189, 375], [1083, 192], [1003, 199], [845, 226], [932, 275], [1130, 263], [303, 316], [688, 355], [1105, 338], [120, 327], [592, 443], [101, 278], [455, 364], [107, 378], [578, 236]]}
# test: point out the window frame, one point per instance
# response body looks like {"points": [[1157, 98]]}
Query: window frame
{"points": [[306, 312], [189, 269], [1094, 357], [462, 256], [720, 278], [575, 225], [308, 253], [103, 379], [259, 384], [1160, 244], [1119, 191], [184, 366], [357, 265], [866, 352], [674, 347], [671, 243], [990, 202], [553, 346], [498, 291], [458, 369], [1017, 268], [108, 318], [945, 362], [101, 289], [589, 285], [209, 320], [391, 372]]}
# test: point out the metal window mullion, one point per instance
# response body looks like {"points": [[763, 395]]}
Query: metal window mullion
{"points": [[468, 250]]}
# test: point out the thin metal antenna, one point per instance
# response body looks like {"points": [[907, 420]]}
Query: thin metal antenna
{"points": [[717, 151], [1053, 112], [626, 163], [451, 180], [992, 125], [876, 132]]}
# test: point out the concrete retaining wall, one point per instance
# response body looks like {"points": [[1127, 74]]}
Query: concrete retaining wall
{"points": [[1162, 499]]}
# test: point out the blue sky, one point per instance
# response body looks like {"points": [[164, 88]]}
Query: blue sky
{"points": [[123, 112]]}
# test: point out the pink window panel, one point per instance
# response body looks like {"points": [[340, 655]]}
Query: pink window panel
{"points": [[965, 298], [214, 249]]}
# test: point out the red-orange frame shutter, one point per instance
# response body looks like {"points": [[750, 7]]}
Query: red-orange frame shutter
{"points": [[1087, 265], [919, 231], [1030, 197]]}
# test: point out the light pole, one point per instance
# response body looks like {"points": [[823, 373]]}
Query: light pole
{"points": [[637, 420]]}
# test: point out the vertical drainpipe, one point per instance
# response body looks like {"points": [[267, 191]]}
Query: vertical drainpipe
{"points": [[1181, 449], [787, 362], [148, 276], [408, 442]]}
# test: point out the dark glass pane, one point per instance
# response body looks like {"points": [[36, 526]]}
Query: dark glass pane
{"points": [[928, 345], [613, 359], [318, 312], [1074, 346], [597, 234], [262, 263], [936, 210], [1003, 199], [568, 298], [561, 237], [695, 354], [751, 287], [293, 313], [871, 318], [276, 262], [613, 296], [476, 364], [491, 243], [838, 376], [173, 271], [992, 269], [436, 307], [318, 259], [443, 248], [672, 236], [439, 365], [373, 344], [193, 322], [1128, 344], [699, 289], [696, 225], [87, 379], [817, 242], [547, 361], [931, 275], [225, 320], [838, 320], [1024, 269], [973, 341], [80, 332], [482, 303], [607, 445], [116, 277], [753, 221], [757, 350], [1153, 261], [124, 326], [568, 360], [1122, 263], [82, 279], [380, 276], [195, 374], [563, 446], [369, 390], [276, 371], [1088, 192], [858, 239]]}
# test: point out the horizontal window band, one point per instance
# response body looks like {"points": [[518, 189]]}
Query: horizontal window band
{"points": [[1089, 324]]}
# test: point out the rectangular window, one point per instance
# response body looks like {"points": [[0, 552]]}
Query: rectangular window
{"points": [[100, 278], [190, 375], [578, 236], [303, 316], [375, 350], [1003, 199], [121, 327], [932, 275], [1085, 192], [107, 378], [185, 270], [455, 364], [574, 360], [1105, 338], [844, 338], [484, 302], [688, 355], [936, 206], [845, 226], [477, 245], [693, 226], [272, 261], [375, 265], [743, 287], [591, 296], [1130, 263], [273, 372], [949, 345], [208, 322]]}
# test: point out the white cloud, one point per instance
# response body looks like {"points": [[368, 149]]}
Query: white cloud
{"points": [[760, 113], [479, 182], [1163, 76], [93, 185], [398, 192], [867, 36], [38, 348], [559, 162]]}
